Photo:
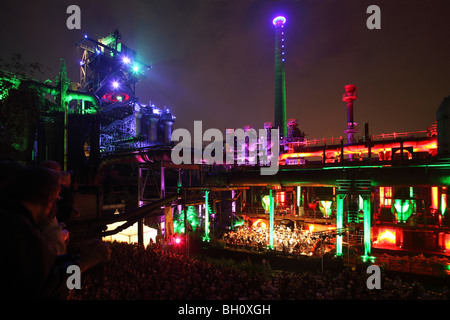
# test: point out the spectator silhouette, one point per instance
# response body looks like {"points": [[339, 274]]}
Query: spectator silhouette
{"points": [[29, 267], [64, 208]]}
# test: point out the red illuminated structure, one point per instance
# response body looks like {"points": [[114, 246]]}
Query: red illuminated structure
{"points": [[116, 97], [384, 147], [349, 96], [390, 189]]}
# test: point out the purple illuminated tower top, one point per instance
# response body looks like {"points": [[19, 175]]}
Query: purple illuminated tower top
{"points": [[279, 19]]}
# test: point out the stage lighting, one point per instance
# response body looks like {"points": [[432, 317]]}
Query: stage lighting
{"points": [[115, 84], [126, 60]]}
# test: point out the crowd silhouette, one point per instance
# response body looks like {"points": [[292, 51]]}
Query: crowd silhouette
{"points": [[138, 272]]}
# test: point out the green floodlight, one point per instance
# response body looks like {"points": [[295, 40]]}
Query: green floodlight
{"points": [[192, 218], [403, 209], [367, 258], [206, 237]]}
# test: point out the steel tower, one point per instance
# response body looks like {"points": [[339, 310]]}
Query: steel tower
{"points": [[280, 83], [111, 70]]}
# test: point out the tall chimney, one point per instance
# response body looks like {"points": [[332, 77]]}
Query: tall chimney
{"points": [[350, 96]]}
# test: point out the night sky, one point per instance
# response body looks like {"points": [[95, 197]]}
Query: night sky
{"points": [[213, 60]]}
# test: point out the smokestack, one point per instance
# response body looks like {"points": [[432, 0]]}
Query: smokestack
{"points": [[350, 96], [280, 83]]}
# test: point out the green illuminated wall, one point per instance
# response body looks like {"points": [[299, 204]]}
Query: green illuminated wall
{"points": [[271, 219], [367, 225], [339, 221]]}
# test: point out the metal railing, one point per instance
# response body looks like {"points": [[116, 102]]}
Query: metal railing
{"points": [[431, 131]]}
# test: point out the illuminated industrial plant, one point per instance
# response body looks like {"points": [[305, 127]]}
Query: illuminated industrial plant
{"points": [[363, 191], [111, 71]]}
